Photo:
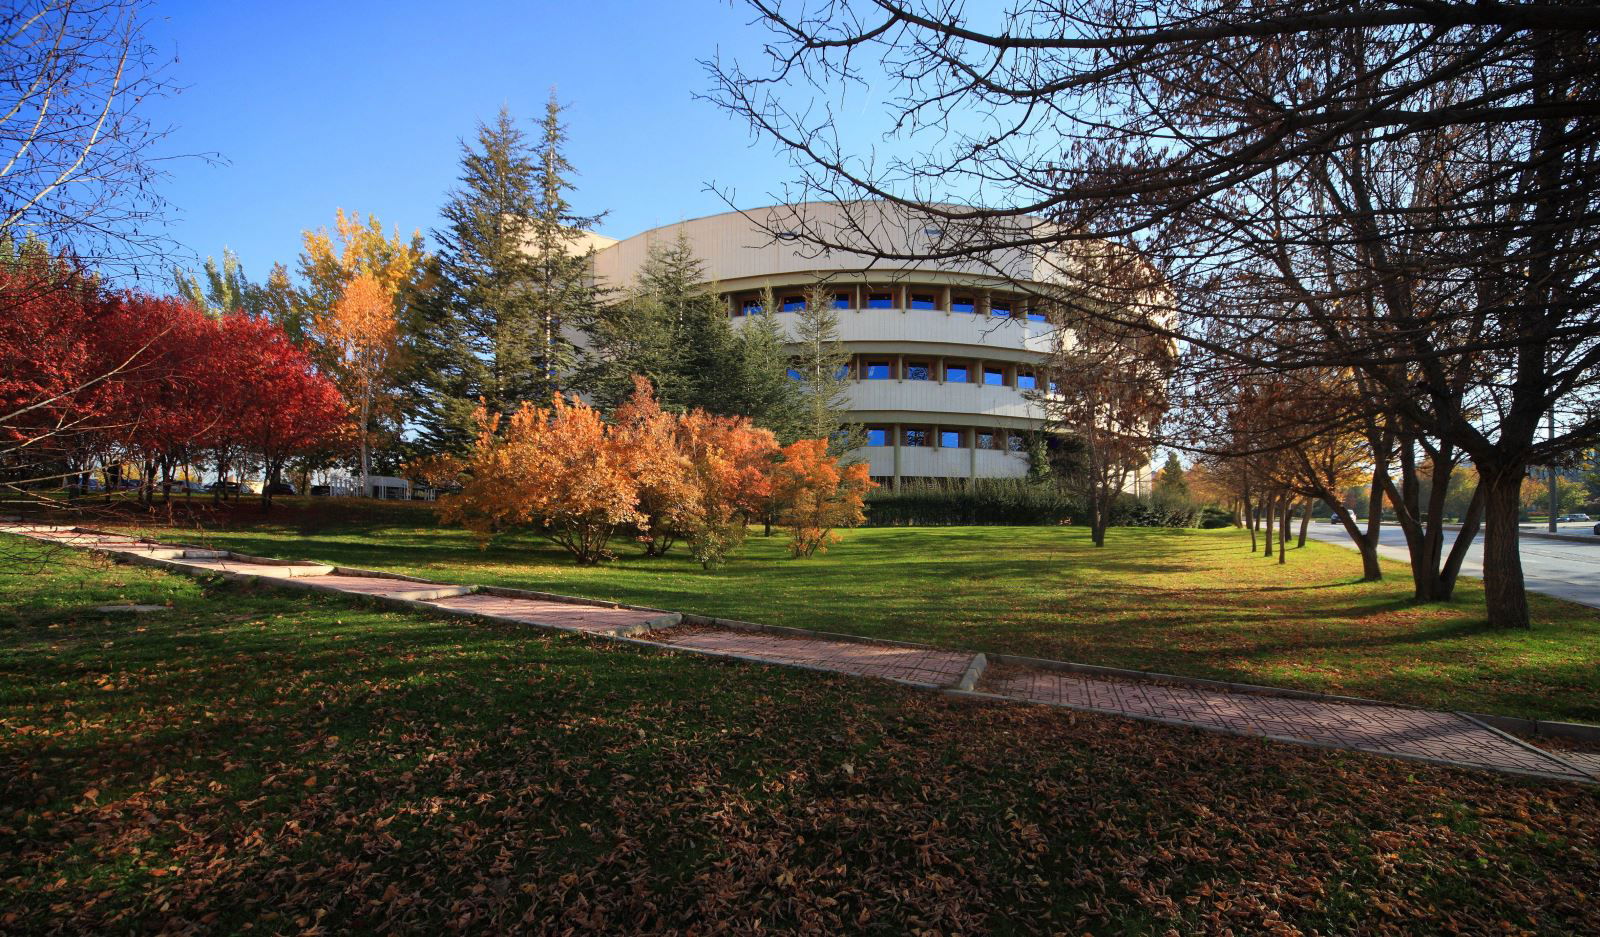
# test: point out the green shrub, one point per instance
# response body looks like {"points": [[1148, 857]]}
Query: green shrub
{"points": [[984, 502], [1212, 517]]}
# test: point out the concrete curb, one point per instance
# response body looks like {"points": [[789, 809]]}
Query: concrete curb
{"points": [[1581, 731], [974, 673], [1552, 756], [690, 618]]}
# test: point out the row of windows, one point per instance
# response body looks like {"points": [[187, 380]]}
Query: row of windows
{"points": [[1021, 378], [999, 308], [947, 438]]}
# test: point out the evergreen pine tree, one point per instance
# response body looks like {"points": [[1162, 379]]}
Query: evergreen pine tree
{"points": [[823, 368], [757, 383], [488, 323]]}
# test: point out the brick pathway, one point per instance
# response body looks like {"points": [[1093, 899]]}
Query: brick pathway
{"points": [[922, 666], [1379, 729], [1387, 730]]}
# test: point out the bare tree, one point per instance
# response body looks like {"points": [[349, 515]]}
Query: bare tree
{"points": [[78, 162], [1406, 191]]}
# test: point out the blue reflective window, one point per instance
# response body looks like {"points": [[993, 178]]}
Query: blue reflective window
{"points": [[877, 370], [1015, 443], [962, 304], [916, 436], [794, 303], [1001, 309], [994, 376], [1035, 314], [880, 301], [950, 438], [956, 373], [750, 307], [877, 436], [1052, 387], [841, 300], [795, 375], [922, 301], [918, 371], [985, 441], [1025, 380]]}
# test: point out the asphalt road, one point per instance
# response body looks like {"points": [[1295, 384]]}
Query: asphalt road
{"points": [[1561, 568]]}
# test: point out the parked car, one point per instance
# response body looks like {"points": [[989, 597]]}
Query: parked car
{"points": [[281, 488], [227, 488], [181, 487], [1571, 517], [321, 491]]}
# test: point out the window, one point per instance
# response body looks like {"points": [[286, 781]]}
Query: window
{"points": [[793, 303], [995, 377], [916, 436], [918, 371], [841, 300], [922, 301], [1025, 380], [1052, 387], [985, 440], [950, 438], [1000, 308], [1035, 314], [750, 307], [1016, 443], [877, 370], [962, 304], [956, 373], [877, 436], [880, 301], [795, 375]]}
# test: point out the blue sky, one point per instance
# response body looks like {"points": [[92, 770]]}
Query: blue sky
{"points": [[361, 105]]}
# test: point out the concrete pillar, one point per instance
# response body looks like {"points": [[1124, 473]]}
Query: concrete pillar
{"points": [[944, 299], [985, 299], [899, 431]]}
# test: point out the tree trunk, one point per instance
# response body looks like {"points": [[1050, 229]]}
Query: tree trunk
{"points": [[1250, 522], [1504, 593], [1266, 526], [1366, 542], [366, 485], [1283, 531], [1305, 522]]}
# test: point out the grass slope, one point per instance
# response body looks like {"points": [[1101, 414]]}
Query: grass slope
{"points": [[295, 763], [1188, 602]]}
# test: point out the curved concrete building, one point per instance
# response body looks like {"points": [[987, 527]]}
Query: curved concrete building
{"points": [[942, 356]]}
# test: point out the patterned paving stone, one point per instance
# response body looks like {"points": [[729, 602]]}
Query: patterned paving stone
{"points": [[917, 665], [592, 618], [1386, 729]]}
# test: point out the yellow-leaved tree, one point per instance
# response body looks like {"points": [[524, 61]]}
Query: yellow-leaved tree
{"points": [[360, 335], [359, 281]]}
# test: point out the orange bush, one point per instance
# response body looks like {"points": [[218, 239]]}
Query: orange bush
{"points": [[666, 492], [730, 468], [816, 494], [562, 470]]}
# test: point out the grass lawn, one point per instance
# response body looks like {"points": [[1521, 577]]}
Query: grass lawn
{"points": [[297, 763], [1187, 602]]}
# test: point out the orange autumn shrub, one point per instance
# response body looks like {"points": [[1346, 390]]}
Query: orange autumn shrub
{"points": [[815, 494], [667, 497], [561, 470], [730, 468]]}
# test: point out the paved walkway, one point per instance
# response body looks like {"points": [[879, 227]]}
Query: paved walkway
{"points": [[1396, 731]]}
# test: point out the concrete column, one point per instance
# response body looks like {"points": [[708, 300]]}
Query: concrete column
{"points": [[985, 299], [944, 300], [899, 431], [972, 454]]}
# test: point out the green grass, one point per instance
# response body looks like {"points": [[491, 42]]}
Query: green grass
{"points": [[295, 763], [1189, 602]]}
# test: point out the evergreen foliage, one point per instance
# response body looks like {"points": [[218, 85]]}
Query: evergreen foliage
{"points": [[823, 368], [508, 276]]}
